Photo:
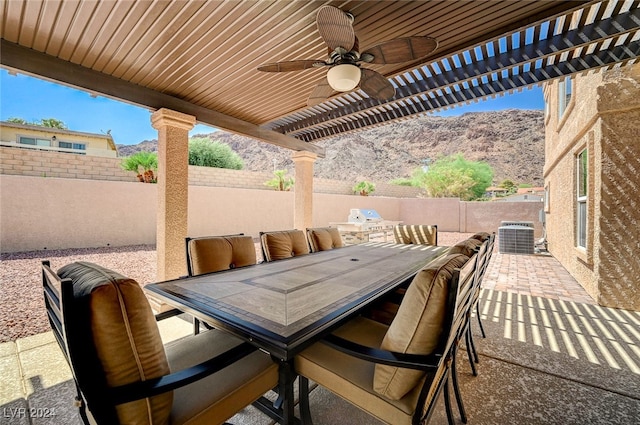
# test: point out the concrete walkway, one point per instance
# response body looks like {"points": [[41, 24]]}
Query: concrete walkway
{"points": [[551, 356]]}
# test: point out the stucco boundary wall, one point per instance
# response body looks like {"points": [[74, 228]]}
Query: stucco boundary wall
{"points": [[39, 163], [54, 213]]}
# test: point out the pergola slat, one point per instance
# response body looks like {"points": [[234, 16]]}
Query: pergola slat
{"points": [[543, 49]]}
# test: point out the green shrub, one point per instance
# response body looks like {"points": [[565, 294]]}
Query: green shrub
{"points": [[212, 153]]}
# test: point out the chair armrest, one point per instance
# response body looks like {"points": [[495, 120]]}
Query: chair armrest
{"points": [[166, 314], [376, 355], [155, 386]]}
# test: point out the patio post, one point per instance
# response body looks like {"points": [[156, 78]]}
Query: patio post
{"points": [[303, 189], [173, 186]]}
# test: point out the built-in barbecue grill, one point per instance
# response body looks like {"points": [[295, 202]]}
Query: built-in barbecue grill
{"points": [[363, 223]]}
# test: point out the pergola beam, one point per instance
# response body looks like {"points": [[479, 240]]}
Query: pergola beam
{"points": [[39, 64]]}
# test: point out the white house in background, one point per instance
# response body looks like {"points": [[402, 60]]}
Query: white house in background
{"points": [[55, 139]]}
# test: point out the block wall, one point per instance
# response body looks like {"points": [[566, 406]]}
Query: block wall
{"points": [[37, 163]]}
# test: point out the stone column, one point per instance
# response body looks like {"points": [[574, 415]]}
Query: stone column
{"points": [[303, 189], [173, 186]]}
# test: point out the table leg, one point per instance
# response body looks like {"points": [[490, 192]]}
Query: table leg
{"points": [[285, 391], [282, 410]]}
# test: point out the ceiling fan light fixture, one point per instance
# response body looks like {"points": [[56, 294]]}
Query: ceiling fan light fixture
{"points": [[344, 77]]}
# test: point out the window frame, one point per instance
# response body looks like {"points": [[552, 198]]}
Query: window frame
{"points": [[582, 197], [37, 141]]}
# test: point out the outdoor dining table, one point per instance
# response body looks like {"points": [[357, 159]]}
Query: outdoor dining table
{"points": [[284, 306]]}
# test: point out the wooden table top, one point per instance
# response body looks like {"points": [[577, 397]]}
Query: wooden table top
{"points": [[283, 304]]}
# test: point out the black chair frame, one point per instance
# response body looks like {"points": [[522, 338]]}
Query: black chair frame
{"points": [[458, 304], [93, 393]]}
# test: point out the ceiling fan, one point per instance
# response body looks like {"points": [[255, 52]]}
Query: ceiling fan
{"points": [[345, 73]]}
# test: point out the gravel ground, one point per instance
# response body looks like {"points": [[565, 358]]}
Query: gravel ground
{"points": [[23, 313]]}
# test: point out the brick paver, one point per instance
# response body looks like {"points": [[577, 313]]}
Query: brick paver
{"points": [[539, 275]]}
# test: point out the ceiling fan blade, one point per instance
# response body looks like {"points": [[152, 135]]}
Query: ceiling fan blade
{"points": [[320, 93], [335, 28], [298, 65], [375, 85], [402, 49]]}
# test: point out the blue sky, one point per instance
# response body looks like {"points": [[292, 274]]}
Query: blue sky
{"points": [[32, 99]]}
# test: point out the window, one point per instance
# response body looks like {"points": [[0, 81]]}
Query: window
{"points": [[69, 145], [34, 141], [564, 95], [581, 219]]}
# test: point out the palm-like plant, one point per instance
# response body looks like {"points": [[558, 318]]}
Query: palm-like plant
{"points": [[280, 181], [143, 164], [364, 188]]}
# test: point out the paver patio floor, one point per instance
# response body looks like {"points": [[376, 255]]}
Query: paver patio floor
{"points": [[551, 356]]}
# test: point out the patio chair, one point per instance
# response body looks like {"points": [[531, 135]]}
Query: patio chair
{"points": [[209, 254], [324, 238], [482, 268], [123, 372], [395, 372], [418, 234], [283, 244]]}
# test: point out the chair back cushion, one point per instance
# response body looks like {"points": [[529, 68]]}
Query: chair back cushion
{"points": [[124, 333], [419, 234], [481, 236], [216, 253], [417, 327], [283, 244], [401, 234], [467, 247], [324, 238]]}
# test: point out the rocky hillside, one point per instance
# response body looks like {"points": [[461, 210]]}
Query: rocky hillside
{"points": [[511, 141]]}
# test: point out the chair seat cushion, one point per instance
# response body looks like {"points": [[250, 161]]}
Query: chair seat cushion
{"points": [[125, 335], [214, 399], [352, 378], [417, 326]]}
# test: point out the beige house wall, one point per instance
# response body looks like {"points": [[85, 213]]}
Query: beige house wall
{"points": [[54, 213], [603, 117], [96, 144]]}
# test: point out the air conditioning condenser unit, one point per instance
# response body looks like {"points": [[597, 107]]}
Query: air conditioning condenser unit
{"points": [[516, 238]]}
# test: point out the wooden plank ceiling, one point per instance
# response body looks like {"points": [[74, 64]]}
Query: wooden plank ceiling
{"points": [[201, 57]]}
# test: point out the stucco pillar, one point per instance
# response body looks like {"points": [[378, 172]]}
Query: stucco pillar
{"points": [[173, 186], [303, 189]]}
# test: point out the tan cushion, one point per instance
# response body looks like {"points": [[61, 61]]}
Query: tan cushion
{"points": [[467, 247], [422, 234], [284, 244], [417, 327], [324, 238], [352, 378], [212, 254], [216, 398], [481, 236], [401, 234], [125, 335], [419, 234]]}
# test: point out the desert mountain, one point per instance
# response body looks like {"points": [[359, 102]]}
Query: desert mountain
{"points": [[511, 141]]}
